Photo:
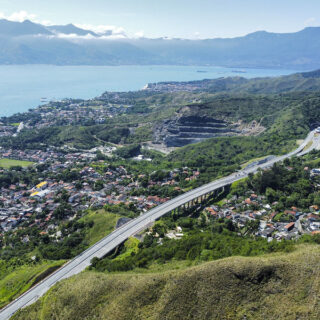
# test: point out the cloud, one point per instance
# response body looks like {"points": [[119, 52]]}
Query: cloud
{"points": [[46, 23], [22, 15], [19, 16], [103, 29], [76, 37], [310, 22], [72, 36], [139, 34], [196, 35]]}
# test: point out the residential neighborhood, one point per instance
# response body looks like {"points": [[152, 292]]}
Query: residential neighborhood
{"points": [[94, 183], [65, 113], [87, 183], [289, 224]]}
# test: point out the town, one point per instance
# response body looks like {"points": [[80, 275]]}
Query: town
{"points": [[89, 183], [65, 113]]}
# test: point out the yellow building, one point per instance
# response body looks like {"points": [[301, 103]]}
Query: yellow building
{"points": [[41, 185]]}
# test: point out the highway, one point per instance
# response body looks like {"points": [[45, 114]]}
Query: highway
{"points": [[111, 241]]}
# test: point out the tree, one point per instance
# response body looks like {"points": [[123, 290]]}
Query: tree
{"points": [[271, 194], [252, 226], [193, 253], [98, 185]]}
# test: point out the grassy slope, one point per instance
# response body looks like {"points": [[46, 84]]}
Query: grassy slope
{"points": [[104, 223], [21, 279], [15, 282], [279, 286], [8, 163]]}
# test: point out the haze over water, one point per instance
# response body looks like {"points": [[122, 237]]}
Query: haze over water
{"points": [[23, 86]]}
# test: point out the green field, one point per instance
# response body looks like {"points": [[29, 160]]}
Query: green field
{"points": [[8, 163]]}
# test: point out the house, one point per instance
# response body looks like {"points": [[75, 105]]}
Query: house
{"points": [[42, 185], [314, 208], [289, 226], [266, 233]]}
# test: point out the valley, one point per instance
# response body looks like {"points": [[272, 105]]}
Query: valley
{"points": [[160, 160], [92, 162]]}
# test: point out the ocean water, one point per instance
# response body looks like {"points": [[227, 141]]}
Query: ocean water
{"points": [[23, 86]]}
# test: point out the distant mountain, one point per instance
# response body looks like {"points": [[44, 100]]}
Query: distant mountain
{"points": [[300, 50], [71, 29], [16, 29], [28, 42]]}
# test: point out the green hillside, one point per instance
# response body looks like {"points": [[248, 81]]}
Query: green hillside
{"points": [[303, 82], [278, 286], [289, 114]]}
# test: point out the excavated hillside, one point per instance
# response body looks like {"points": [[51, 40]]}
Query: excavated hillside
{"points": [[184, 130], [279, 286], [192, 125]]}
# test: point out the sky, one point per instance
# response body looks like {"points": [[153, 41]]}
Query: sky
{"points": [[170, 18]]}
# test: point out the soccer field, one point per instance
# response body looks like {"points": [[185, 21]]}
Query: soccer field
{"points": [[8, 163]]}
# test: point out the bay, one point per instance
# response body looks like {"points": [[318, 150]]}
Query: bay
{"points": [[23, 86]]}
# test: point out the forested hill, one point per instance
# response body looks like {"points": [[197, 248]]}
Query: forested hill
{"points": [[302, 82]]}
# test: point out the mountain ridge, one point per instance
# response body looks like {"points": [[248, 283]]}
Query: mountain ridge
{"points": [[16, 29], [29, 42], [71, 29]]}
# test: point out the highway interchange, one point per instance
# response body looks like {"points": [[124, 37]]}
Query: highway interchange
{"points": [[105, 245]]}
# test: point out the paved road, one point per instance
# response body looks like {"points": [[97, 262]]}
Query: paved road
{"points": [[108, 243]]}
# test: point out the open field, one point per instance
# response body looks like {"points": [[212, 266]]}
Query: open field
{"points": [[8, 163]]}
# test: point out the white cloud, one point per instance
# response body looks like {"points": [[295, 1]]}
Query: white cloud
{"points": [[22, 15], [197, 35], [310, 22], [18, 16], [139, 34], [46, 23], [114, 36], [102, 29], [73, 36], [107, 31]]}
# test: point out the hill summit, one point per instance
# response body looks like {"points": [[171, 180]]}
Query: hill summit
{"points": [[281, 286]]}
